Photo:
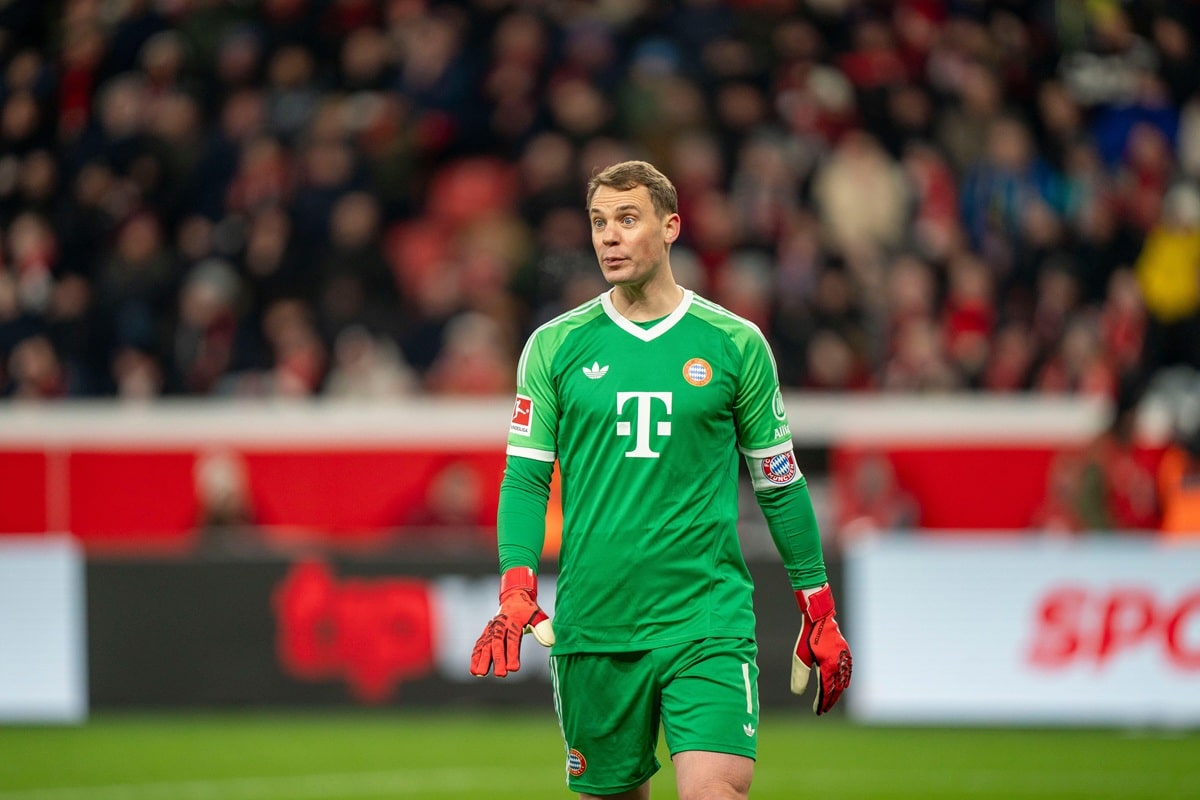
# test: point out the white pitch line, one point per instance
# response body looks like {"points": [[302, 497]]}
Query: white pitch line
{"points": [[302, 787]]}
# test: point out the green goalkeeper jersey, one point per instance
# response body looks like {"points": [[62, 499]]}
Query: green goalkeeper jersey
{"points": [[646, 422]]}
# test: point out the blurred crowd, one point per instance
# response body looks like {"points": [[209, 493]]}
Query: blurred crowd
{"points": [[371, 199]]}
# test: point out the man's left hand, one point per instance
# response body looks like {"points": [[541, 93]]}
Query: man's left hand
{"points": [[820, 648]]}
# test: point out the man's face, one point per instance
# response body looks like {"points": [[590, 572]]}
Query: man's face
{"points": [[629, 236]]}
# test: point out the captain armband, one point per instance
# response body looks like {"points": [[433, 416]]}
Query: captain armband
{"points": [[773, 471]]}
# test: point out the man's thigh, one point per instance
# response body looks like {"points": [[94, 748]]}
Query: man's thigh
{"points": [[608, 707]]}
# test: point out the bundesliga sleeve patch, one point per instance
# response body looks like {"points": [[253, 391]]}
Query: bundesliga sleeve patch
{"points": [[780, 469], [522, 416]]}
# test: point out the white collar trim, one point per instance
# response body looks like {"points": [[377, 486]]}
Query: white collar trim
{"points": [[646, 334]]}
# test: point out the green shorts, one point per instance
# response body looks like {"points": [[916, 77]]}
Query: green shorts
{"points": [[610, 705]]}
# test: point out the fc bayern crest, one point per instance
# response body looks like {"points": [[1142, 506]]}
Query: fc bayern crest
{"points": [[576, 763], [780, 468], [697, 372]]}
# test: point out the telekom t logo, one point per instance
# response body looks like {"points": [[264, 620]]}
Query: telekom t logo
{"points": [[643, 412]]}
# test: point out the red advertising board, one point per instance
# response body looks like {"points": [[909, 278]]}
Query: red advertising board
{"points": [[152, 478]]}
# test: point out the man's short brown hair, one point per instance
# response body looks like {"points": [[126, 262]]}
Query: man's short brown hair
{"points": [[629, 174]]}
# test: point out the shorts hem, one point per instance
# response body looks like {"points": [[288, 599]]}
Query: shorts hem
{"points": [[750, 752], [581, 787]]}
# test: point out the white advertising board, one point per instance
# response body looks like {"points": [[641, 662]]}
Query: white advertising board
{"points": [[43, 652], [1089, 631]]}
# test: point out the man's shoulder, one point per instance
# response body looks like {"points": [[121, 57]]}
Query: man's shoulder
{"points": [[733, 325], [553, 332], [579, 315]]}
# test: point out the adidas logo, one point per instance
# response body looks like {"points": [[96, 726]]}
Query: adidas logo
{"points": [[595, 371]]}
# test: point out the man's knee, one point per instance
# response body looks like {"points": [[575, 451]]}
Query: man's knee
{"points": [[716, 789], [713, 776], [640, 793]]}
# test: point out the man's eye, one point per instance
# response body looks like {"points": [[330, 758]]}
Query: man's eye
{"points": [[598, 223], [626, 220]]}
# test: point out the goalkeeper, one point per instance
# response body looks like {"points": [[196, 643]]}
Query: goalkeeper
{"points": [[649, 396]]}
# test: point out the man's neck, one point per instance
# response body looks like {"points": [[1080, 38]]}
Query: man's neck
{"points": [[648, 301]]}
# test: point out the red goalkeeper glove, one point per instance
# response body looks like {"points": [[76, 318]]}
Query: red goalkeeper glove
{"points": [[499, 647], [820, 645]]}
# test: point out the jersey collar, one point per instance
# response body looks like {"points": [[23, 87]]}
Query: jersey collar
{"points": [[647, 334]]}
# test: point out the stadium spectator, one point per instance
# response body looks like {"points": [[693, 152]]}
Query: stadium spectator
{"points": [[869, 500], [294, 358], [1179, 485], [1143, 175], [764, 187], [919, 362], [137, 374], [964, 125], [1077, 363], [832, 365], [473, 359], [203, 341], [1012, 359], [1055, 301], [835, 306], [368, 367], [1059, 512], [137, 284], [1168, 273], [454, 505], [33, 250], [1189, 136], [1104, 242], [1118, 489], [935, 228], [1006, 213], [1123, 326], [225, 507], [968, 318], [862, 197], [352, 282], [35, 370]]}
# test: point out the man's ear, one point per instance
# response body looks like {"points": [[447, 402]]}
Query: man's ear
{"points": [[671, 227]]}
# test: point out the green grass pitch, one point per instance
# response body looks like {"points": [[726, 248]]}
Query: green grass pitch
{"points": [[509, 756]]}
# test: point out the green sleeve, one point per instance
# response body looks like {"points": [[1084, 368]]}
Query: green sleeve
{"points": [[521, 518], [793, 525]]}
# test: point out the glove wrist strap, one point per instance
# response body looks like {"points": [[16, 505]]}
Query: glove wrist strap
{"points": [[519, 578], [818, 604]]}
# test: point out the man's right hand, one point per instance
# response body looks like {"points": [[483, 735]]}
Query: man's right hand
{"points": [[499, 646]]}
